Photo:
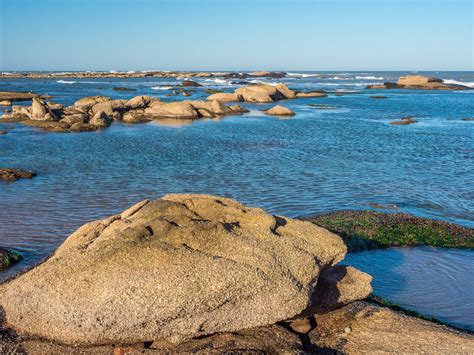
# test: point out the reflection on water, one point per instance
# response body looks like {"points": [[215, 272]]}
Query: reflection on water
{"points": [[433, 281]]}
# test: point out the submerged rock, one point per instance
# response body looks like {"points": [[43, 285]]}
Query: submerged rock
{"points": [[10, 174], [180, 267], [8, 258], [190, 83], [404, 121], [319, 93], [279, 111]]}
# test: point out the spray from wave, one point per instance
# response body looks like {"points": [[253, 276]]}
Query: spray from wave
{"points": [[66, 82]]}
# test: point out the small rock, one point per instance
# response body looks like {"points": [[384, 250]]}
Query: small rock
{"points": [[5, 103], [279, 111], [468, 119], [302, 325], [378, 97], [311, 94], [121, 88], [10, 174]]}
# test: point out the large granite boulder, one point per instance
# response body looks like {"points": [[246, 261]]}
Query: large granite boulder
{"points": [[225, 97], [159, 109], [417, 80], [139, 102], [264, 93], [172, 269], [41, 111]]}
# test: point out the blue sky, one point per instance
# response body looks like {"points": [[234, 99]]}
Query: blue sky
{"points": [[236, 35]]}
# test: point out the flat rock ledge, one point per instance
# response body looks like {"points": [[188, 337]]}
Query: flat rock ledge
{"points": [[11, 174], [178, 269]]}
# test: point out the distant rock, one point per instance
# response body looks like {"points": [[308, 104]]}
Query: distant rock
{"points": [[10, 174], [225, 97], [100, 120], [264, 93], [267, 74], [17, 96], [419, 82], [378, 97], [180, 267], [404, 121], [468, 119], [190, 83], [279, 111], [5, 103], [140, 101], [121, 88], [318, 93]]}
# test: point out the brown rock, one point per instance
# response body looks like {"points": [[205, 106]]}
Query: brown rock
{"points": [[417, 80], [225, 97], [365, 328], [140, 101], [93, 290], [82, 127], [171, 110], [190, 83], [100, 120], [279, 111], [86, 103], [75, 118], [311, 94], [135, 116], [9, 174], [404, 121]]}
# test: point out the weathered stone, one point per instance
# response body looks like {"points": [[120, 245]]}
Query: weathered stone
{"points": [[75, 118], [135, 116], [311, 94], [50, 126], [100, 120], [180, 267], [365, 328], [339, 285], [289, 94], [404, 121], [10, 174], [171, 110], [190, 83], [38, 109], [5, 103], [264, 93], [87, 102], [82, 127], [279, 111], [225, 97], [140, 101], [417, 80]]}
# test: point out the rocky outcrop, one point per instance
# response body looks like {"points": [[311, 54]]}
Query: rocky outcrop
{"points": [[263, 93], [10, 174], [225, 97], [17, 96], [190, 83], [98, 112], [419, 82], [279, 111], [173, 269], [365, 328]]}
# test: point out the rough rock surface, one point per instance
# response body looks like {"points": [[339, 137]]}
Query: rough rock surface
{"points": [[263, 93], [180, 267], [279, 111], [10, 174], [225, 97], [365, 328], [311, 94], [8, 258]]}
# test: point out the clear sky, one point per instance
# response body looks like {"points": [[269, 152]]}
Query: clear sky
{"points": [[236, 35]]}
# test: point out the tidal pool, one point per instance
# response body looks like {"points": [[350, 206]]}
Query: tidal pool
{"points": [[435, 282]]}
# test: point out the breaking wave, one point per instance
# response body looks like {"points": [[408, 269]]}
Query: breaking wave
{"points": [[66, 81]]}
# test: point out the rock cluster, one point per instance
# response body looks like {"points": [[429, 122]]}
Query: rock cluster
{"points": [[419, 82], [182, 267], [10, 174], [264, 93], [98, 112]]}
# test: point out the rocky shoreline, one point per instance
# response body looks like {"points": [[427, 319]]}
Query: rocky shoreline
{"points": [[123, 284]]}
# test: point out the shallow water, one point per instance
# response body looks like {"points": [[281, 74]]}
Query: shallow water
{"points": [[433, 281], [318, 161]]}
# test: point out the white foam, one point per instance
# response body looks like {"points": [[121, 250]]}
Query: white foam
{"points": [[451, 81], [131, 72], [370, 77], [66, 82], [161, 87], [218, 81], [113, 71], [301, 75]]}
